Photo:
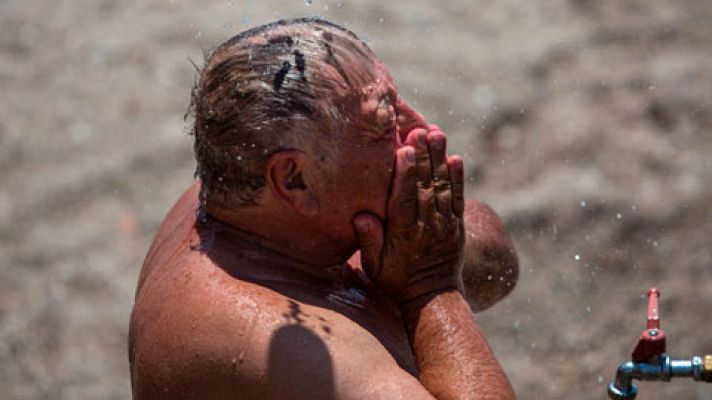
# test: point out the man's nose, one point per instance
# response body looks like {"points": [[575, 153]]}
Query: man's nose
{"points": [[408, 119]]}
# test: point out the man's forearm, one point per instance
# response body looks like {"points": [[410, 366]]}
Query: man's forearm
{"points": [[453, 356]]}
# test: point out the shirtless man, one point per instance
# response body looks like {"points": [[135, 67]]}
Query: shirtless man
{"points": [[306, 154]]}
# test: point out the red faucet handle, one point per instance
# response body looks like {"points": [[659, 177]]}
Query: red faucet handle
{"points": [[652, 341], [653, 311]]}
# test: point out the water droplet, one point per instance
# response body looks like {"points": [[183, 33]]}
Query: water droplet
{"points": [[577, 257], [600, 379], [381, 20], [308, 2], [489, 277], [583, 203], [619, 216]]}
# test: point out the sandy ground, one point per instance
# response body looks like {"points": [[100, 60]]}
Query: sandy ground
{"points": [[586, 124]]}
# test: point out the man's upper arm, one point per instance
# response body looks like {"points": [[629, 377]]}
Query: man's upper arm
{"points": [[385, 382], [301, 362]]}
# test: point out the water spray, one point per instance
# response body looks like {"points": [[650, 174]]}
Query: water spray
{"points": [[650, 363]]}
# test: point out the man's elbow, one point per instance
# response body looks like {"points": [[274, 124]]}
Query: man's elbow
{"points": [[491, 265]]}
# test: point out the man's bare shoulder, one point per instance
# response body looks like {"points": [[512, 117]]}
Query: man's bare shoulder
{"points": [[197, 330]]}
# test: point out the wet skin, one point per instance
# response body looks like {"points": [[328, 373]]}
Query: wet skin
{"points": [[221, 312], [200, 326], [203, 324]]}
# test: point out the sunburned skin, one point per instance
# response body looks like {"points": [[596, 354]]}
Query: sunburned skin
{"points": [[260, 302], [197, 273]]}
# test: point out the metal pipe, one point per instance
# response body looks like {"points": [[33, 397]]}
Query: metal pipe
{"points": [[687, 368], [663, 368]]}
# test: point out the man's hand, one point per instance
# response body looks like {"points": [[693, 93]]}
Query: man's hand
{"points": [[419, 250]]}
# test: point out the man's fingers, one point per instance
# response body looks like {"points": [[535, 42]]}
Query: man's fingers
{"points": [[402, 206], [418, 138], [437, 144], [369, 232], [443, 197], [426, 205], [457, 183]]}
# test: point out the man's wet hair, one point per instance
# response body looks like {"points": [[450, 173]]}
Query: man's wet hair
{"points": [[278, 86]]}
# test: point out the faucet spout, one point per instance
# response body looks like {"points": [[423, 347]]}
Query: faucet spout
{"points": [[622, 387]]}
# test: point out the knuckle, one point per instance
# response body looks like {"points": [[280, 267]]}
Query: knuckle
{"points": [[423, 186], [425, 195], [441, 185]]}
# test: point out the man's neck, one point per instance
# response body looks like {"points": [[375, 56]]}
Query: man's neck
{"points": [[285, 246]]}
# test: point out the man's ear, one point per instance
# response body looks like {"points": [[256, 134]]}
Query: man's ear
{"points": [[284, 172]]}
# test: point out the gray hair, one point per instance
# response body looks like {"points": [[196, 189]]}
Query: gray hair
{"points": [[278, 86]]}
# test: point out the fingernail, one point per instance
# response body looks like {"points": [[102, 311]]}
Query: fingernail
{"points": [[422, 140], [438, 143], [364, 227], [410, 155]]}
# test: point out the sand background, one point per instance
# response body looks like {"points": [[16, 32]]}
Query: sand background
{"points": [[586, 124]]}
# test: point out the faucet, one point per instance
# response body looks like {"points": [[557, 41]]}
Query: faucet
{"points": [[650, 363]]}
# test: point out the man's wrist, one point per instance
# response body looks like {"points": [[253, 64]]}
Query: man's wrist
{"points": [[410, 308], [436, 280]]}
